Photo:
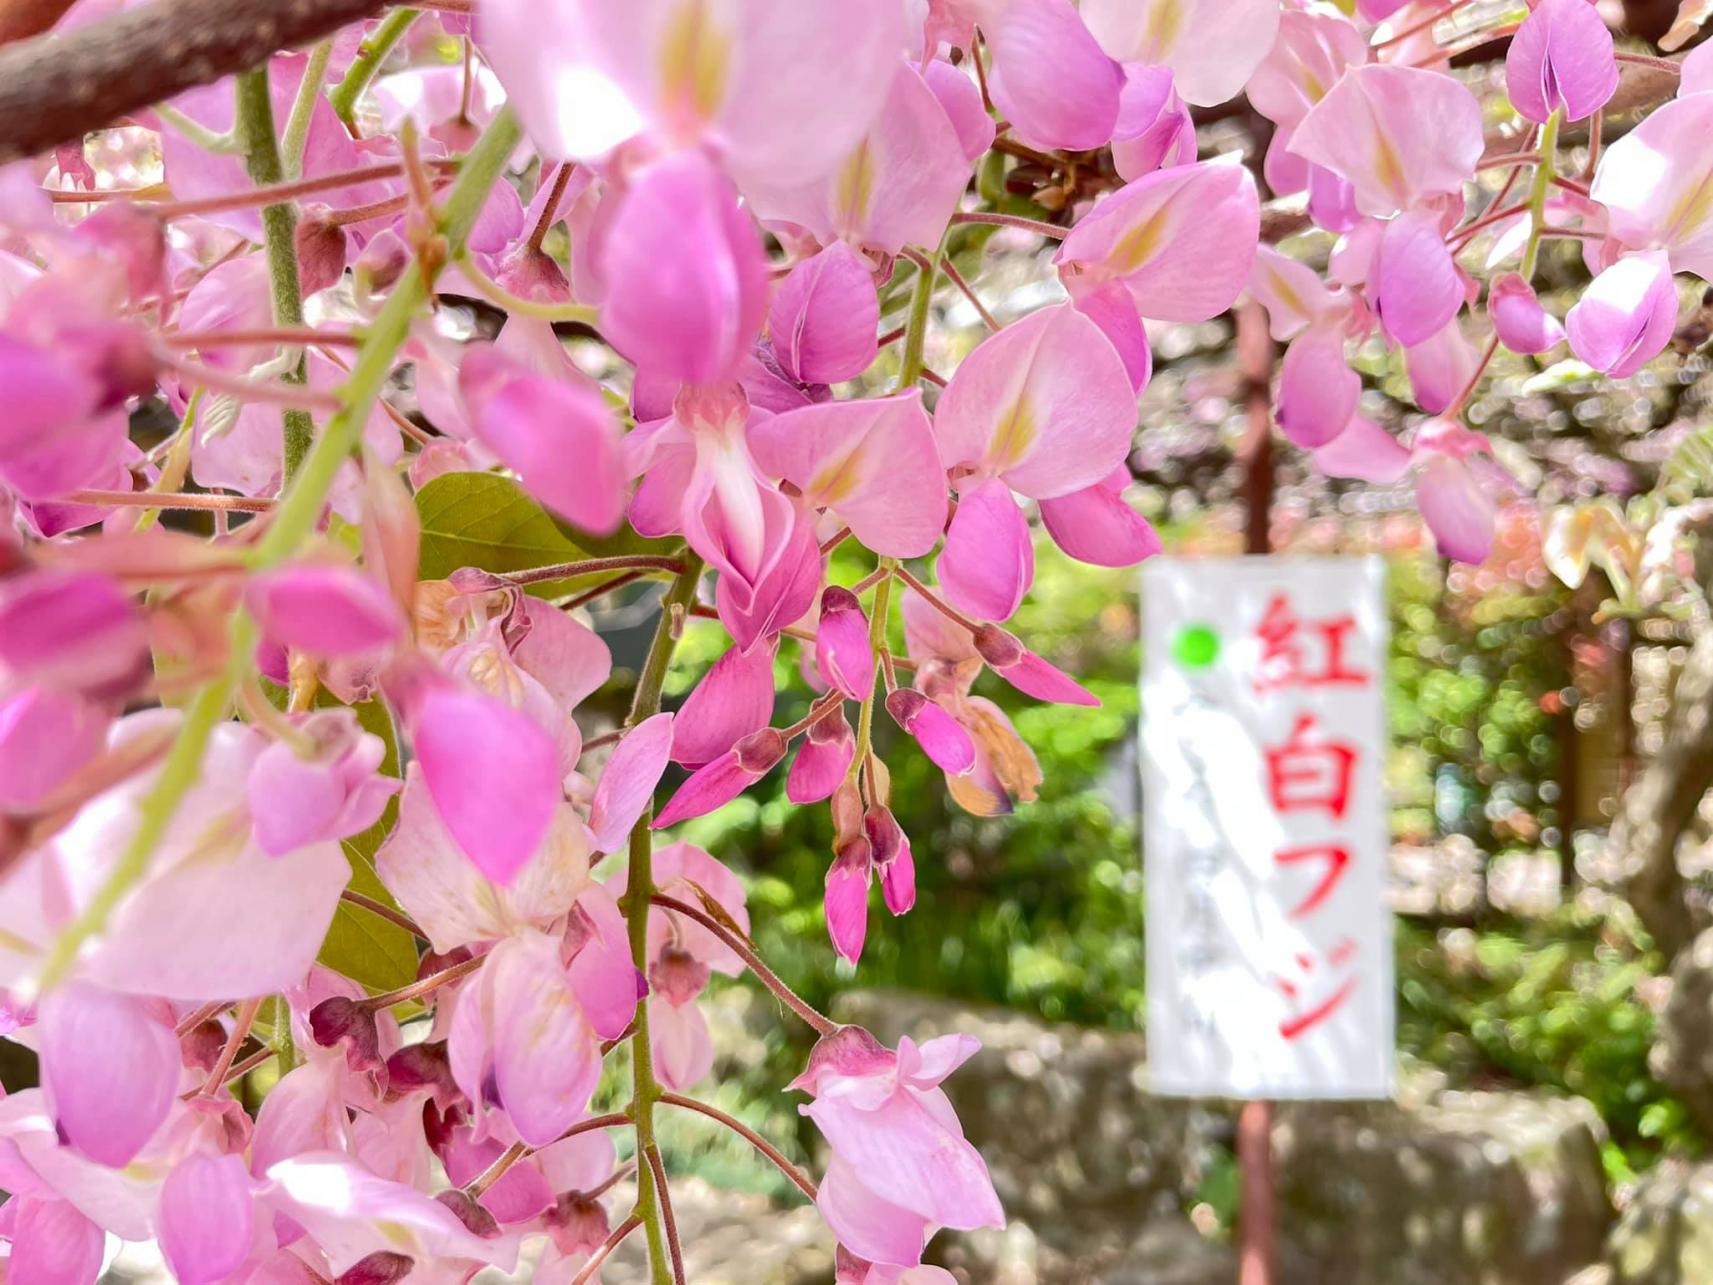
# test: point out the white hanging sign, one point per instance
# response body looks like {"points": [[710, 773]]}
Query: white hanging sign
{"points": [[1264, 834]]}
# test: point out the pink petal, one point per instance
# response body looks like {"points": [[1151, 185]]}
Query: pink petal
{"points": [[874, 462], [718, 782], [325, 609], [1416, 286], [1457, 510], [941, 737], [1172, 33], [1033, 676], [733, 699], [627, 782], [1440, 368], [898, 880], [45, 737], [564, 656], [1696, 71], [842, 652], [109, 1069], [602, 973], [926, 1065], [522, 1191], [988, 563], [683, 1049], [205, 1219], [1048, 76], [825, 317], [1363, 450], [558, 437], [1181, 240], [1112, 309], [754, 615], [53, 1244], [1096, 525], [1561, 58], [77, 631], [545, 1061], [846, 900], [1654, 181], [960, 98], [1518, 319], [1293, 293], [1045, 404], [493, 775], [293, 801], [865, 1224], [1318, 390], [823, 759], [1626, 316], [688, 273], [912, 1154], [680, 865], [1396, 134]]}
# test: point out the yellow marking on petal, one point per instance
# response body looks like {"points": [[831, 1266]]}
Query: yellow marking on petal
{"points": [[695, 61], [395, 1232], [1165, 21], [1139, 245], [854, 188], [1014, 435], [1691, 210], [837, 480], [1286, 293], [1390, 168]]}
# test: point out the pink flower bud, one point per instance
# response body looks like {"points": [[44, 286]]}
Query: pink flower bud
{"points": [[891, 849], [936, 731], [825, 316], [846, 900], [45, 737], [333, 794], [1518, 319], [109, 1070], [324, 609], [75, 631], [1561, 59], [321, 251], [733, 699], [842, 650], [1626, 316], [822, 759], [715, 784], [1027, 672]]}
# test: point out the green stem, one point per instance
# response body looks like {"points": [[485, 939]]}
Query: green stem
{"points": [[370, 55], [517, 305], [303, 108], [293, 519], [916, 326], [254, 129], [207, 139], [876, 640], [1544, 172], [640, 882]]}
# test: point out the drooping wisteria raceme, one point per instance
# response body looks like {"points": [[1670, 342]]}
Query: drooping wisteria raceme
{"points": [[340, 273]]}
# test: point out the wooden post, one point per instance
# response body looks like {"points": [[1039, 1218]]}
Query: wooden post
{"points": [[1257, 1216]]}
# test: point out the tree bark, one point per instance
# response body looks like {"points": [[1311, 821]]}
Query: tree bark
{"points": [[56, 88], [1659, 804]]}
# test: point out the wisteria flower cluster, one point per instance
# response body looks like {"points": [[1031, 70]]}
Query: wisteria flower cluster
{"points": [[205, 736]]}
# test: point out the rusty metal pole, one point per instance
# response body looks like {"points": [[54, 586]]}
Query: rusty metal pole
{"points": [[1257, 1217]]}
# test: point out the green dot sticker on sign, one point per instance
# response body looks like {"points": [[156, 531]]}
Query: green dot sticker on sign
{"points": [[1195, 647]]}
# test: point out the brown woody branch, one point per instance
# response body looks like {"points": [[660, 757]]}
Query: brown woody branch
{"points": [[56, 88]]}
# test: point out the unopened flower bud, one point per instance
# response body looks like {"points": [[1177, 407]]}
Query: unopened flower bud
{"points": [[822, 759], [340, 1019], [847, 813], [1027, 672], [842, 650], [936, 731], [422, 1066], [846, 898], [320, 253], [717, 783]]}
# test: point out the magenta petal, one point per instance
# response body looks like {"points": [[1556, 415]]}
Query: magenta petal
{"points": [[1318, 390], [1518, 319], [628, 780], [53, 1244], [1457, 510], [1097, 525], [1561, 58], [1035, 677], [825, 317], [1416, 287], [1365, 451], [77, 631], [733, 699], [325, 609], [898, 880], [846, 899], [988, 561], [109, 1070], [1626, 316], [45, 737], [687, 277], [493, 774], [715, 784], [822, 760], [205, 1218], [558, 437], [1049, 78], [842, 651], [940, 735]]}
